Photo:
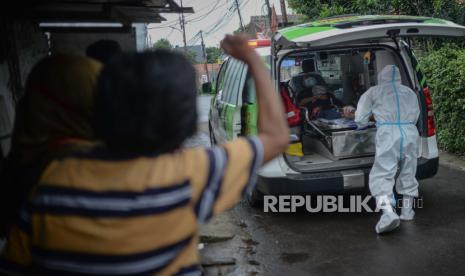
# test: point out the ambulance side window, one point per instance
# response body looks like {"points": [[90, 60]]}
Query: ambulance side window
{"points": [[230, 93], [249, 96], [221, 80]]}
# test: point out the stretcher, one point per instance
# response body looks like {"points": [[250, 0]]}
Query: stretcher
{"points": [[338, 138]]}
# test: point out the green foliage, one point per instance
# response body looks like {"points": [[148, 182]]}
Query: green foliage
{"points": [[331, 10], [191, 56], [163, 43], [447, 9], [445, 71], [213, 54]]}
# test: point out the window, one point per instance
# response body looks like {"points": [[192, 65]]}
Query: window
{"points": [[249, 95], [290, 67], [221, 79], [229, 82], [239, 80], [234, 83], [347, 73]]}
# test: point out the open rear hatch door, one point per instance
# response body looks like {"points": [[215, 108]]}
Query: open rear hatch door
{"points": [[332, 31]]}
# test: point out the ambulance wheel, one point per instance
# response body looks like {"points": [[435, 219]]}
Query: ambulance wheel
{"points": [[212, 136], [255, 199]]}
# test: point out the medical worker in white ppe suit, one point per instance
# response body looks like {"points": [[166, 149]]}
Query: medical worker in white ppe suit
{"points": [[396, 110]]}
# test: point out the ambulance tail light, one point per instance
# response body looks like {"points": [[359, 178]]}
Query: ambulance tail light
{"points": [[429, 108]]}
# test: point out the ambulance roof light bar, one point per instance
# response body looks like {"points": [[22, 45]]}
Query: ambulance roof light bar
{"points": [[259, 43]]}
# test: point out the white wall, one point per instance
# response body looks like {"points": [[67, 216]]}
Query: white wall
{"points": [[77, 42], [141, 36]]}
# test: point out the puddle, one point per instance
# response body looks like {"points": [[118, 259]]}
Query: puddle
{"points": [[292, 258]]}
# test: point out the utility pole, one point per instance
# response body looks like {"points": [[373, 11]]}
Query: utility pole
{"points": [[182, 21], [284, 12], [239, 12], [204, 56], [268, 7]]}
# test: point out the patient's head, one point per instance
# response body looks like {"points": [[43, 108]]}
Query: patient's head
{"points": [[146, 102], [309, 81]]}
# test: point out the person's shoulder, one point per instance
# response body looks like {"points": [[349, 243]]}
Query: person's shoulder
{"points": [[238, 148], [189, 160], [57, 170], [406, 88], [372, 89], [108, 172], [190, 155], [370, 92]]}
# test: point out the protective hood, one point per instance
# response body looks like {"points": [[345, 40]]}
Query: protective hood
{"points": [[389, 102], [389, 74]]}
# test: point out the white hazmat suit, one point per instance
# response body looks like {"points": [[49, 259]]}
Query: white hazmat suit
{"points": [[396, 110]]}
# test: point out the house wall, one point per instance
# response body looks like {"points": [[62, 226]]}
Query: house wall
{"points": [[22, 46], [77, 43], [213, 69]]}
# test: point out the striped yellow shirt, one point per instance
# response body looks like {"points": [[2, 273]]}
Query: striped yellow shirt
{"points": [[102, 214]]}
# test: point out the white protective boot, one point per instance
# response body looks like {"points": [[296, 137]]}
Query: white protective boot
{"points": [[407, 212], [389, 219]]}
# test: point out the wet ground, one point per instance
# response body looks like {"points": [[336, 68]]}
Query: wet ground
{"points": [[335, 244], [343, 243]]}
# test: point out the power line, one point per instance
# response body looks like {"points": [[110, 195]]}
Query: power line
{"points": [[183, 27], [194, 39], [226, 19], [239, 13], [196, 19], [222, 21], [200, 18], [171, 24], [169, 34], [199, 10]]}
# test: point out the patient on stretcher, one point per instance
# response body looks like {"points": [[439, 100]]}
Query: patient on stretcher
{"points": [[322, 104]]}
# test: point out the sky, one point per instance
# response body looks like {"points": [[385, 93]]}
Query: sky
{"points": [[206, 14]]}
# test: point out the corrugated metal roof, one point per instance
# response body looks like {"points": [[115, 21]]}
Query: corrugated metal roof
{"points": [[121, 11]]}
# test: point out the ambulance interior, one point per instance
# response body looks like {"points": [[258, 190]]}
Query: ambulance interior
{"points": [[322, 143]]}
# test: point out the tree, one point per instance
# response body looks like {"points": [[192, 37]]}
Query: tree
{"points": [[213, 54], [163, 43], [447, 9], [191, 56], [445, 71]]}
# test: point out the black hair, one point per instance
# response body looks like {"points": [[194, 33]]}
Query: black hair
{"points": [[308, 66], [146, 102], [103, 50]]}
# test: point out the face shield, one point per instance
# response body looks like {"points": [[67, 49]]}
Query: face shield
{"points": [[309, 82]]}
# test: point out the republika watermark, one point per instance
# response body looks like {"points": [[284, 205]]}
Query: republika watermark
{"points": [[329, 203]]}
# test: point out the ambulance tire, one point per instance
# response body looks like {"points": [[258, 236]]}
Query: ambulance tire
{"points": [[255, 199], [212, 136]]}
